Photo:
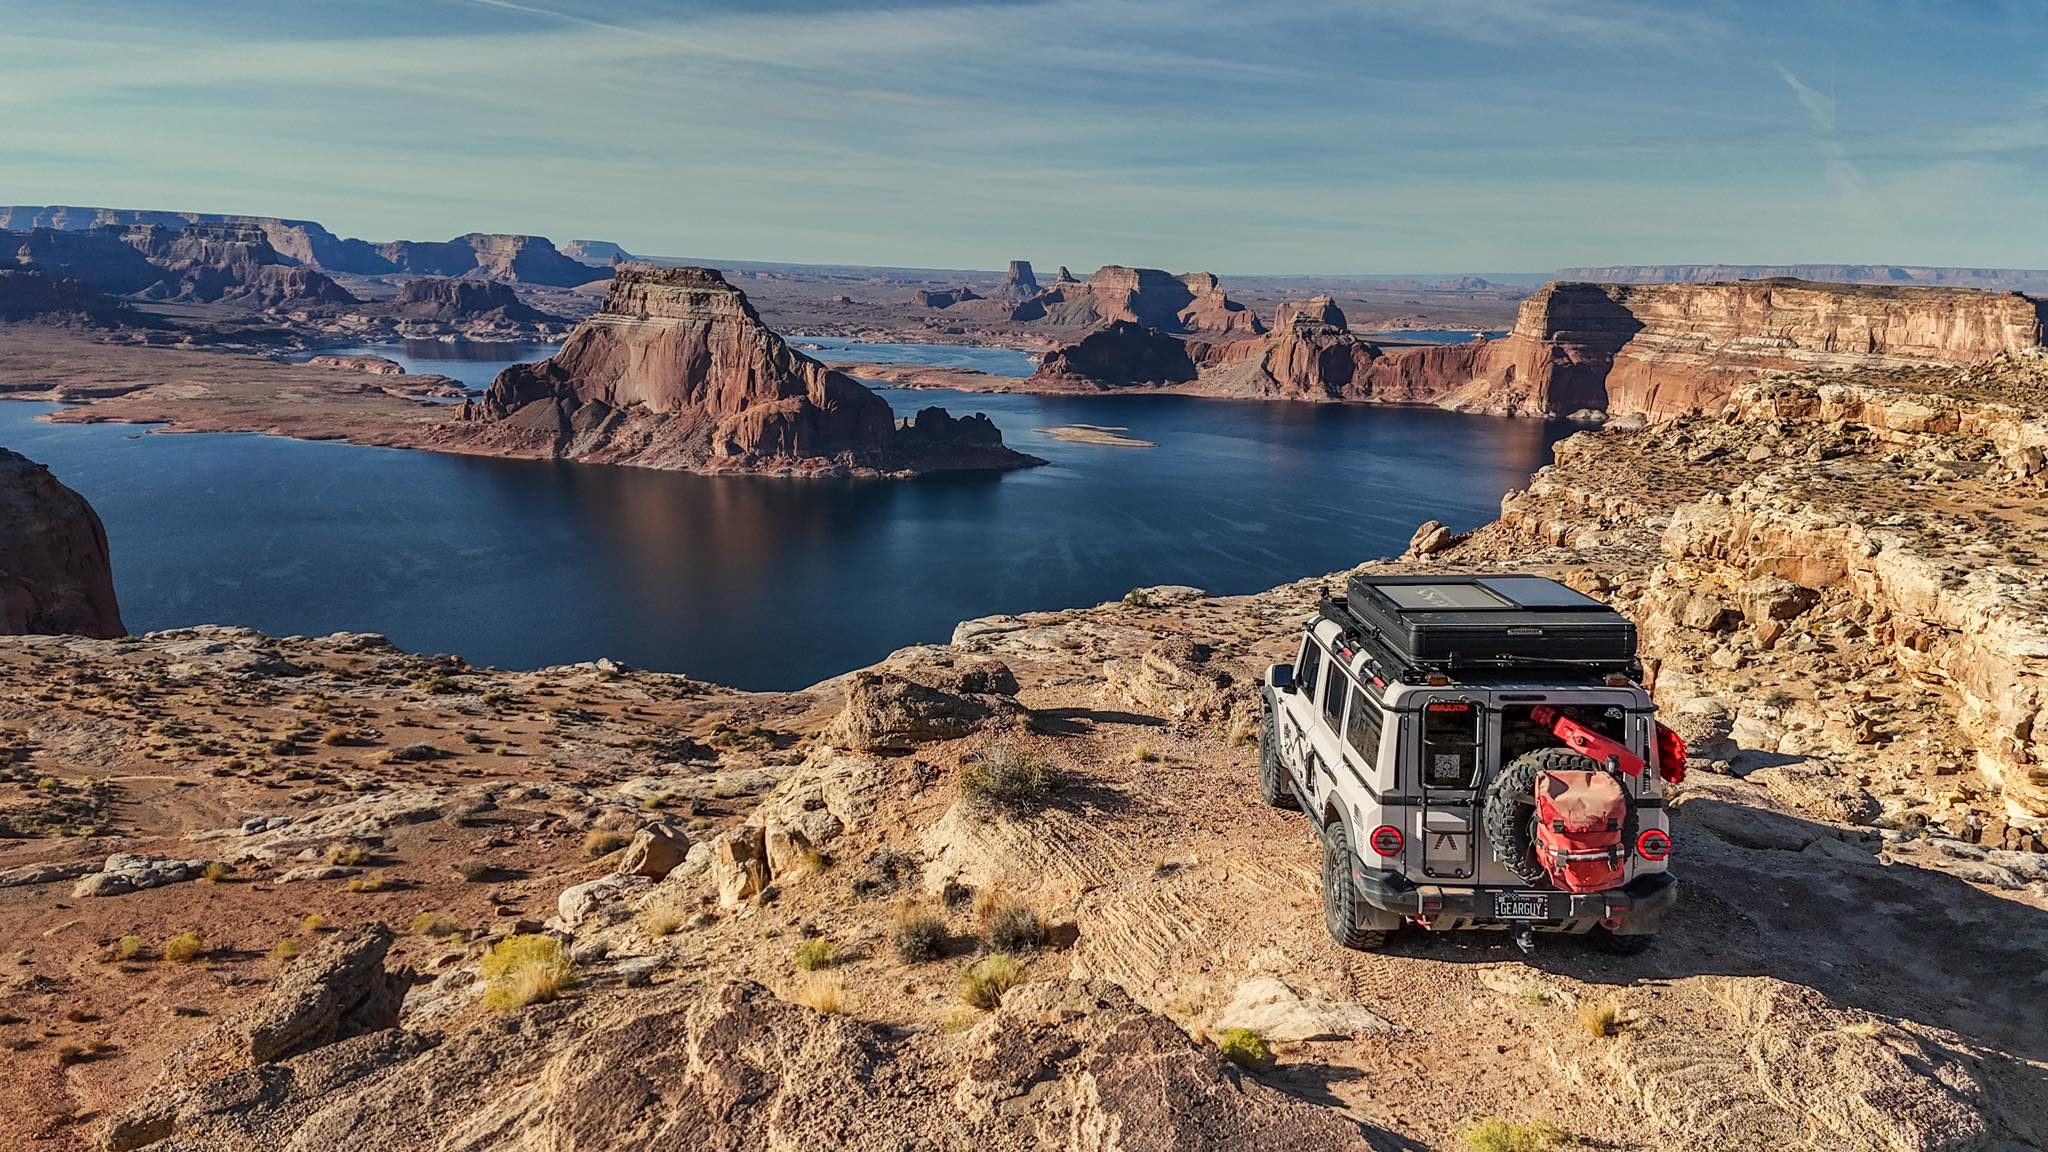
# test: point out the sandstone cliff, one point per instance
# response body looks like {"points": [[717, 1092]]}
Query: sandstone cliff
{"points": [[434, 298], [1989, 279], [1017, 285], [1613, 349], [56, 575], [513, 259], [677, 371], [27, 295], [1192, 303]]}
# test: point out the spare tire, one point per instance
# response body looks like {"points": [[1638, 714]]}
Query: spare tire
{"points": [[1510, 818]]}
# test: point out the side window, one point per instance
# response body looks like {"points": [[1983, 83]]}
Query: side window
{"points": [[1363, 733], [1333, 700], [1306, 667]]}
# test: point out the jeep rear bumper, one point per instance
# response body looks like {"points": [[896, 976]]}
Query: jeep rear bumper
{"points": [[1640, 900]]}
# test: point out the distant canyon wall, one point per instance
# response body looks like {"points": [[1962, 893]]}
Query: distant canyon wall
{"points": [[1653, 350], [507, 257], [2033, 280]]}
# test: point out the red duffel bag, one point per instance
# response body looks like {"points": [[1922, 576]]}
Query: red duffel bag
{"points": [[1579, 822]]}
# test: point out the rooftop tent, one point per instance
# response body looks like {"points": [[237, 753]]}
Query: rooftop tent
{"points": [[1487, 621]]}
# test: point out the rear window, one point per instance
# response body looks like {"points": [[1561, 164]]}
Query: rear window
{"points": [[1450, 743]]}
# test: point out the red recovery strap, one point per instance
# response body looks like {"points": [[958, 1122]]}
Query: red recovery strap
{"points": [[1587, 742]]}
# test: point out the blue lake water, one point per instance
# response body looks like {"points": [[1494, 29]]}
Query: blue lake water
{"points": [[474, 364], [759, 582], [1433, 335], [995, 361]]}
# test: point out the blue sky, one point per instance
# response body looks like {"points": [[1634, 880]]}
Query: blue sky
{"points": [[1333, 136]]}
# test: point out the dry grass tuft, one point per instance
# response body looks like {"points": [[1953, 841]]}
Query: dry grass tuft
{"points": [[128, 948], [812, 955], [433, 924], [1602, 1020], [604, 842], [822, 994], [287, 950], [522, 970], [348, 855], [1493, 1134], [983, 982], [184, 947], [215, 872]]}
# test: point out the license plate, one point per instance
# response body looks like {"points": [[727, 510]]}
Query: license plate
{"points": [[1521, 905]]}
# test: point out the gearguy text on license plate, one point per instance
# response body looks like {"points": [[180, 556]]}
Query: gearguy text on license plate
{"points": [[1521, 905]]}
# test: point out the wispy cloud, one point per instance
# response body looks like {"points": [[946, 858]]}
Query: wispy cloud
{"points": [[1840, 169]]}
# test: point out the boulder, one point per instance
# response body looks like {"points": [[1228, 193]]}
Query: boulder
{"points": [[1433, 537], [598, 901], [338, 990], [886, 712], [656, 851], [1279, 1013], [126, 872], [739, 865]]}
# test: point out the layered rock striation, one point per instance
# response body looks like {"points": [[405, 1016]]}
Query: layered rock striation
{"points": [[1191, 303], [678, 371], [1595, 349], [56, 573]]}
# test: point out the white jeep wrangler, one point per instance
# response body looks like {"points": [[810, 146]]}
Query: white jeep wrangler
{"points": [[1477, 752]]}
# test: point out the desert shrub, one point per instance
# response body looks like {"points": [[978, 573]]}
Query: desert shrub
{"points": [[983, 982], [411, 754], [128, 948], [313, 922], [1013, 926], [822, 994], [916, 934], [334, 737], [812, 955], [1601, 1020], [347, 855], [473, 870], [1002, 777], [1246, 1049], [1137, 598], [287, 950], [433, 924], [1493, 1134], [522, 970], [604, 842], [184, 947], [215, 872], [1142, 753], [375, 882], [662, 921]]}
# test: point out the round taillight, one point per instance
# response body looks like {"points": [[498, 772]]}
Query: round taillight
{"points": [[1654, 844], [1386, 840]]}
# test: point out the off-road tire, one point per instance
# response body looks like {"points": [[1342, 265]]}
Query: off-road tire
{"points": [[1601, 940], [1274, 786], [1340, 896], [1510, 819]]}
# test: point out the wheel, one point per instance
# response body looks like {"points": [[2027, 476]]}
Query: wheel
{"points": [[1274, 787], [1340, 897], [1510, 818], [1601, 940]]}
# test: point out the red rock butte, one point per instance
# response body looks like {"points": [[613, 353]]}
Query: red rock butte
{"points": [[678, 371]]}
